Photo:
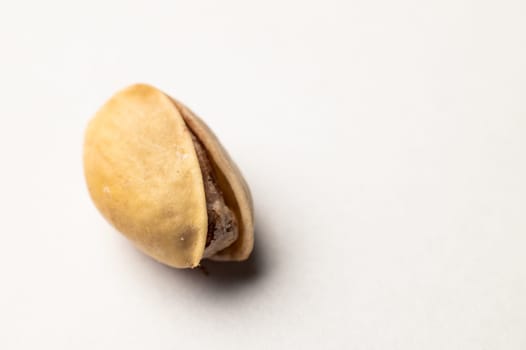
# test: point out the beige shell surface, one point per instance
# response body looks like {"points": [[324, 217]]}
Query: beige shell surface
{"points": [[144, 177], [235, 189]]}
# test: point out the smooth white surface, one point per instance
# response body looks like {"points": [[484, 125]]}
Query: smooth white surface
{"points": [[384, 141]]}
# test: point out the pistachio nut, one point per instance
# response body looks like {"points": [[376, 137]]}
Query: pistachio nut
{"points": [[160, 176]]}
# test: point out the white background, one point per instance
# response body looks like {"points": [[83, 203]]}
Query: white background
{"points": [[384, 142]]}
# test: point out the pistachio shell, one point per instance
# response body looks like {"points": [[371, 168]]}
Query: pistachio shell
{"points": [[144, 176]]}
